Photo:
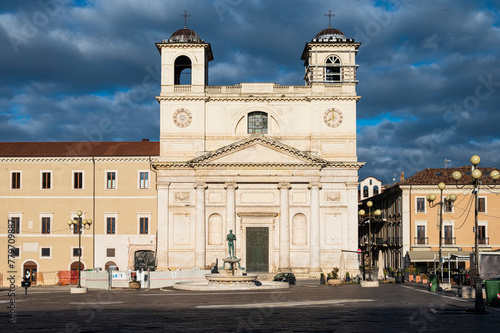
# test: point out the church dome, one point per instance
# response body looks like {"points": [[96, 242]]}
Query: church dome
{"points": [[329, 34], [185, 36]]}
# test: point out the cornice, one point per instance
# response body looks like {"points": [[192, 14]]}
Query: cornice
{"points": [[77, 159]]}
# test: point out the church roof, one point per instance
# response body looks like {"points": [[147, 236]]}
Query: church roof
{"points": [[185, 35], [67, 149], [329, 34]]}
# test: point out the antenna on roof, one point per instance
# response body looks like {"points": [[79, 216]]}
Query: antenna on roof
{"points": [[446, 165]]}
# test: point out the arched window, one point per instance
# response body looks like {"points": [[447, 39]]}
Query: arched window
{"points": [[365, 192], [182, 71], [332, 69], [375, 190], [257, 122]]}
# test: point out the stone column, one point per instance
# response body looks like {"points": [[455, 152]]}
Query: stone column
{"points": [[284, 264], [200, 232], [315, 250], [231, 206], [162, 240]]}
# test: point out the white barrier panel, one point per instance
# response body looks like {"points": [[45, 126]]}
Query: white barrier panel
{"points": [[95, 279], [121, 279], [168, 278]]}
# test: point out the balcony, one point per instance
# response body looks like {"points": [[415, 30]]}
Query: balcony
{"points": [[483, 240], [448, 240], [421, 240]]}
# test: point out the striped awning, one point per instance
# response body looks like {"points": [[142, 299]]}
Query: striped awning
{"points": [[431, 256]]}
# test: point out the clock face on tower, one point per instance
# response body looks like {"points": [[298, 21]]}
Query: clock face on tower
{"points": [[333, 117], [182, 117]]}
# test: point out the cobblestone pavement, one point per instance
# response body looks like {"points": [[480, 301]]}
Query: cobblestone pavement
{"points": [[302, 308]]}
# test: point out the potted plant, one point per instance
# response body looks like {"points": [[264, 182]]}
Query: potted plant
{"points": [[406, 274], [322, 278], [334, 281], [424, 278], [347, 277], [329, 277], [134, 284]]}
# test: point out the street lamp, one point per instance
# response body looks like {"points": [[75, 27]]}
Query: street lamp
{"points": [[430, 199], [475, 175], [361, 214], [79, 225]]}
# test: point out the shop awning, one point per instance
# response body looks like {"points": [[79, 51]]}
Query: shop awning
{"points": [[430, 256]]}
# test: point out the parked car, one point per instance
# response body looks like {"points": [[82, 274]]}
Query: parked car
{"points": [[285, 277]]}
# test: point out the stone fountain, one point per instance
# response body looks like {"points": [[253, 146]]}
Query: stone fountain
{"points": [[231, 278]]}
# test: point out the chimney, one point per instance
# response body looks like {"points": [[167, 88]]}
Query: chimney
{"points": [[402, 176]]}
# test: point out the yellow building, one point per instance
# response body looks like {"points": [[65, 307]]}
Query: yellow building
{"points": [[408, 231], [43, 184]]}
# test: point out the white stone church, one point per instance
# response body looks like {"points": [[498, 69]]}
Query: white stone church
{"points": [[275, 164]]}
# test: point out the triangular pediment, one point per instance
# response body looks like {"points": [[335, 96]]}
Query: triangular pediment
{"points": [[257, 149]]}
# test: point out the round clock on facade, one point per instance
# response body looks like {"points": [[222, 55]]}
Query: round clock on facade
{"points": [[182, 117], [333, 117]]}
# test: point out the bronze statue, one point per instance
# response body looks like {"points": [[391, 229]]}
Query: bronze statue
{"points": [[231, 238]]}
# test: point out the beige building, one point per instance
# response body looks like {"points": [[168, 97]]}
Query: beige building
{"points": [[275, 164], [408, 231], [45, 183]]}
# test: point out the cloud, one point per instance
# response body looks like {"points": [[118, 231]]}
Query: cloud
{"points": [[89, 70]]}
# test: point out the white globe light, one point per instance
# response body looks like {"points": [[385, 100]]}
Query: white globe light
{"points": [[441, 186], [475, 160], [495, 174], [456, 175], [476, 174], [369, 203]]}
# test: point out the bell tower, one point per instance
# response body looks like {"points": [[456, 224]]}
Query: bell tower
{"points": [[184, 61], [330, 58]]}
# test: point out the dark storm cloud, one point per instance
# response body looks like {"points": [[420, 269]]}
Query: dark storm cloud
{"points": [[89, 70]]}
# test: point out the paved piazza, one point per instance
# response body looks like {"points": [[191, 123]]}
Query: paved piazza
{"points": [[307, 307]]}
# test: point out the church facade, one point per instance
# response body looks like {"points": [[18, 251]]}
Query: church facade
{"points": [[275, 164]]}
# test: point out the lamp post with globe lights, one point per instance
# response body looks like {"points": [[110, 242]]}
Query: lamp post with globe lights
{"points": [[362, 213], [431, 199], [475, 176], [79, 225]]}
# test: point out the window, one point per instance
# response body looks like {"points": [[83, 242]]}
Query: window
{"points": [[45, 225], [110, 253], [448, 235], [365, 192], [481, 235], [421, 239], [110, 225], [76, 228], [78, 180], [15, 225], [143, 225], [14, 251], [15, 180], [257, 122], [76, 251], [143, 180], [481, 205], [111, 180], [46, 180], [448, 206], [420, 205], [45, 252], [332, 69], [375, 190]]}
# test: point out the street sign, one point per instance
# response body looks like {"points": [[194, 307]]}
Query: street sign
{"points": [[359, 251]]}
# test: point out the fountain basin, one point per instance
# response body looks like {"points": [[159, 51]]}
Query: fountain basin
{"points": [[206, 286]]}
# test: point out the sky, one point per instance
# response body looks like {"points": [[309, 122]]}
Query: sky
{"points": [[429, 70]]}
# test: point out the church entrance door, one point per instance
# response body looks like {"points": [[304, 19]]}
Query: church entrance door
{"points": [[257, 249]]}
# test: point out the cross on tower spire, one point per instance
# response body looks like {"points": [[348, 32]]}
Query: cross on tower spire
{"points": [[185, 18], [329, 18]]}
